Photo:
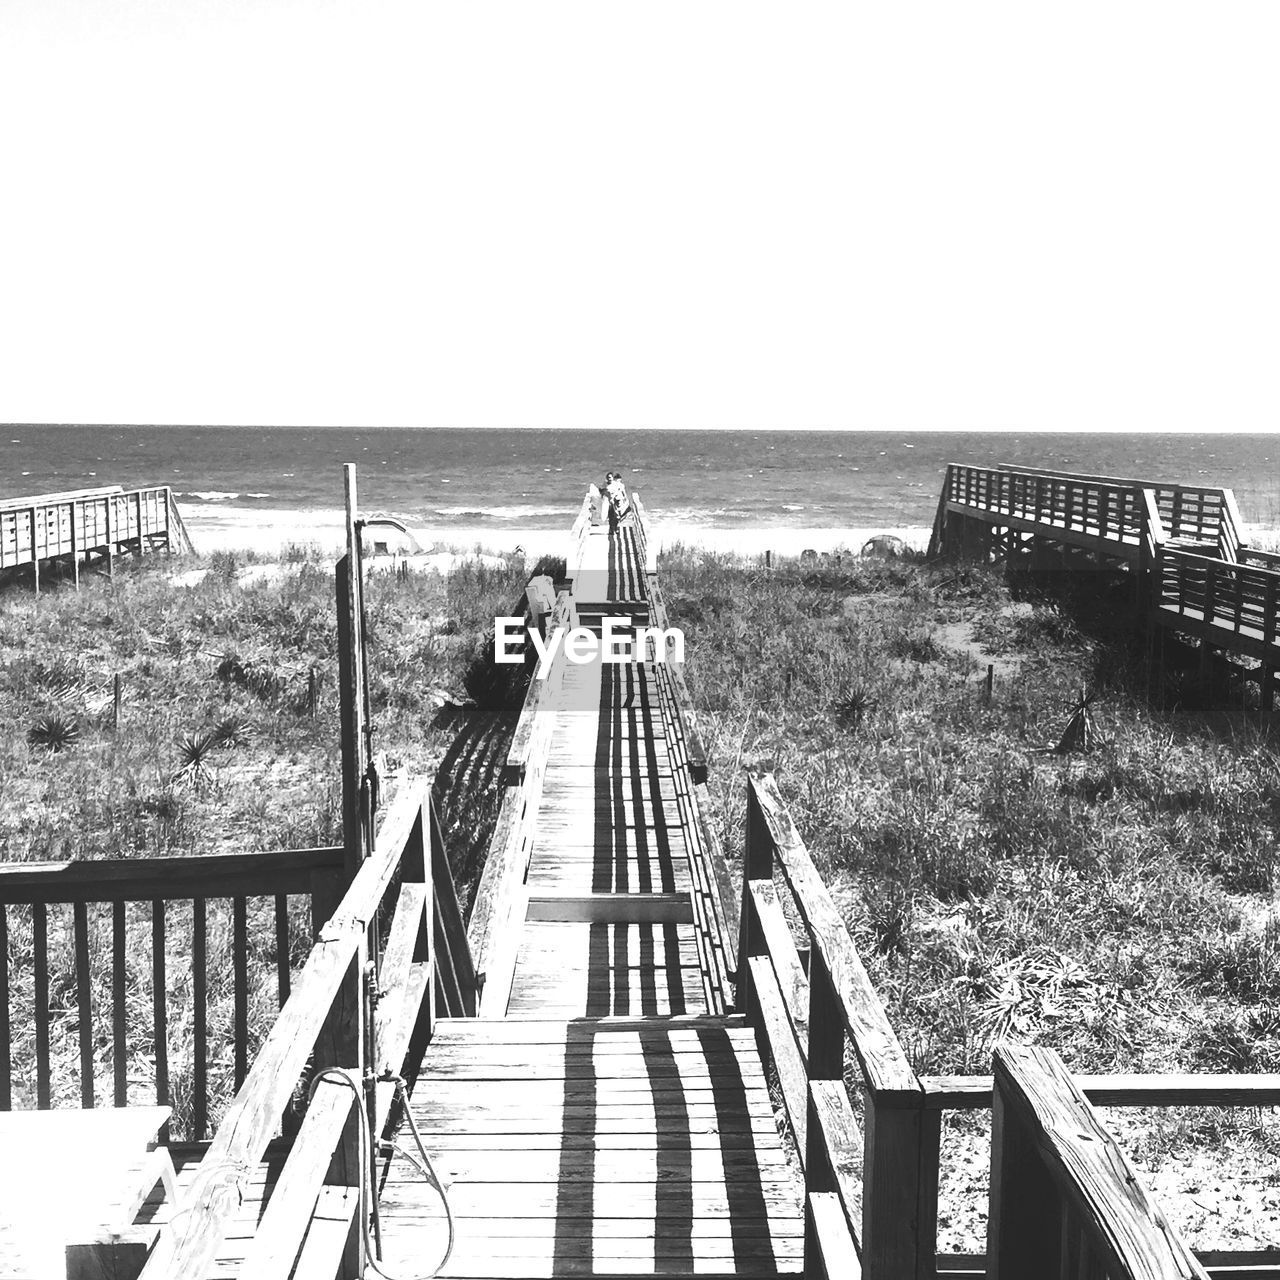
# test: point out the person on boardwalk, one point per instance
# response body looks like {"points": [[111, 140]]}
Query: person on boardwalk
{"points": [[619, 504]]}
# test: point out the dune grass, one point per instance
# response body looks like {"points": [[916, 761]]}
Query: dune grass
{"points": [[227, 741], [1117, 905]]}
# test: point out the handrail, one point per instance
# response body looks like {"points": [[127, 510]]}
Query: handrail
{"points": [[1065, 1201], [174, 878], [501, 888], [106, 896], [579, 533], [536, 700], [889, 1214], [47, 526], [973, 1093], [188, 1246]]}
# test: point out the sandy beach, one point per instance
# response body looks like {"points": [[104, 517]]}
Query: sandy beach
{"points": [[269, 532]]}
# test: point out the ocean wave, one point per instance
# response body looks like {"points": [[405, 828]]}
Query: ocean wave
{"points": [[502, 513], [209, 495]]}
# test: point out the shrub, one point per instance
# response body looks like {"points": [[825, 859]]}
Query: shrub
{"points": [[54, 732]]}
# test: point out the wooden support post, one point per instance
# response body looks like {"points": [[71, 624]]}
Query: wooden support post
{"points": [[35, 553], [1024, 1227], [991, 679], [824, 1060], [900, 1188], [75, 546], [757, 864], [109, 505], [137, 502]]}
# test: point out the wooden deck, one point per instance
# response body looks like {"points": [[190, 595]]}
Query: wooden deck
{"points": [[604, 1115], [1182, 544], [87, 527]]}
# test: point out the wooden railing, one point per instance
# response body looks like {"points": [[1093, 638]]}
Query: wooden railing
{"points": [[888, 1216], [871, 1192], [716, 905], [325, 1022], [1240, 598], [1108, 511], [1107, 508], [580, 532], [500, 895], [1065, 1201], [1196, 513], [72, 525], [174, 905]]}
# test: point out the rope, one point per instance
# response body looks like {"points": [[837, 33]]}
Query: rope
{"points": [[425, 1167]]}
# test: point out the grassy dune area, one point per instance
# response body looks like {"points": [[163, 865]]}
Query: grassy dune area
{"points": [[226, 742], [1116, 903]]}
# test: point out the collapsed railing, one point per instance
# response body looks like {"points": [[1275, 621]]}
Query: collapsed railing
{"points": [[871, 1188]]}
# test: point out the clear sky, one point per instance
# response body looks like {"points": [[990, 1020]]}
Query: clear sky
{"points": [[891, 214]]}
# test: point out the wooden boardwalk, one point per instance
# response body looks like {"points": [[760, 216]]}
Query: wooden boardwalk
{"points": [[87, 527], [604, 1115], [594, 1099], [1182, 544]]}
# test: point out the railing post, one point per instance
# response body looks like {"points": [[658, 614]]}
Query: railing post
{"points": [[824, 1061], [35, 554], [900, 1188], [757, 864], [1024, 1224]]}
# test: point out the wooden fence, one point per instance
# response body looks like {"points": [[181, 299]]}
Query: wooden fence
{"points": [[71, 527], [136, 902]]}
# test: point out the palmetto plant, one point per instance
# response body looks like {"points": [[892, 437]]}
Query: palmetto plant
{"points": [[54, 732], [232, 732], [194, 750]]}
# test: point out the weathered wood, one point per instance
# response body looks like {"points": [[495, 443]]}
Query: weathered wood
{"points": [[450, 930], [884, 1065], [40, 948], [836, 1254], [200, 1020], [279, 1235], [1050, 1150], [782, 952], [900, 1189], [334, 1221], [240, 975], [84, 1002], [970, 1093], [119, 1025], [120, 1256], [159, 1001], [185, 1250], [143, 879], [657, 908], [780, 1039]]}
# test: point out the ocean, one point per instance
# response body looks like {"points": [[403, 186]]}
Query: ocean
{"points": [[535, 478]]}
